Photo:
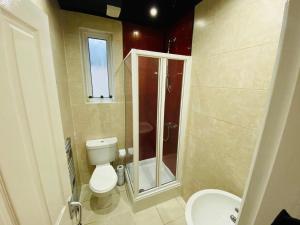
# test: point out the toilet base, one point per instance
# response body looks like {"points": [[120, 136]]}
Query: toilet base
{"points": [[101, 201]]}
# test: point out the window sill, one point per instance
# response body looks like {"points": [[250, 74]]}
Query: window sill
{"points": [[99, 100]]}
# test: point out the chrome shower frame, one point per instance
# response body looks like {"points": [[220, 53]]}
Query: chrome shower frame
{"points": [[161, 191]]}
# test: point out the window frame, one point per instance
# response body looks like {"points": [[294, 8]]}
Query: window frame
{"points": [[85, 34]]}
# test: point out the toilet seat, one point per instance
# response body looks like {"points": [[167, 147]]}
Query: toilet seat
{"points": [[104, 179]]}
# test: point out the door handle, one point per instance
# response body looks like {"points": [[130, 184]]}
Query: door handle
{"points": [[75, 209]]}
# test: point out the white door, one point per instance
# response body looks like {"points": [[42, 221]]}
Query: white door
{"points": [[34, 182]]}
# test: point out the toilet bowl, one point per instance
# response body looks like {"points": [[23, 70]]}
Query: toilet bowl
{"points": [[101, 152], [103, 180]]}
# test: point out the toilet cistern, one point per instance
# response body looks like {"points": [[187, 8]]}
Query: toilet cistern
{"points": [[101, 152]]}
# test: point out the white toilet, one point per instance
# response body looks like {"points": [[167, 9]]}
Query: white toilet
{"points": [[100, 153]]}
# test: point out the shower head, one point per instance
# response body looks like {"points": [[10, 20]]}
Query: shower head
{"points": [[171, 39]]}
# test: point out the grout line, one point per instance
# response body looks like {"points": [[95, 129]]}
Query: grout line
{"points": [[180, 202], [230, 88], [182, 217], [161, 219], [224, 52], [228, 122]]}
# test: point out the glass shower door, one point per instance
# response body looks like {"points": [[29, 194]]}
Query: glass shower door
{"points": [[153, 104], [173, 88], [148, 79]]}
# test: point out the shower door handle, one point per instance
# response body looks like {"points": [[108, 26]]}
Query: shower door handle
{"points": [[168, 86], [75, 209]]}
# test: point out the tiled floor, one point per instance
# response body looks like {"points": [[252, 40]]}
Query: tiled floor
{"points": [[170, 212]]}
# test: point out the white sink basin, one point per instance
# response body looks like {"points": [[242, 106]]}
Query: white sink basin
{"points": [[211, 207]]}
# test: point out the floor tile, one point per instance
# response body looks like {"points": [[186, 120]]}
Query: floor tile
{"points": [[85, 193], [148, 216], [96, 223], [121, 219], [181, 201], [170, 210], [89, 215], [180, 221], [119, 212], [119, 204]]}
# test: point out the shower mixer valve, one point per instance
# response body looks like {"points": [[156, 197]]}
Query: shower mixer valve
{"points": [[169, 125]]}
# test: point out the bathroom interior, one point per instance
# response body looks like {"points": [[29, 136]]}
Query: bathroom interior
{"points": [[163, 108]]}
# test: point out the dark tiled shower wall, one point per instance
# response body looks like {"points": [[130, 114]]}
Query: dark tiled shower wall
{"points": [[141, 37], [148, 38], [156, 39], [182, 31]]}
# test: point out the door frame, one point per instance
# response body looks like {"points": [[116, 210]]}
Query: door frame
{"points": [[7, 213]]}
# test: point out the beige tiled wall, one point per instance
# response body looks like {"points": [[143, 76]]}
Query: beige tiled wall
{"points": [[51, 8], [234, 50], [92, 120]]}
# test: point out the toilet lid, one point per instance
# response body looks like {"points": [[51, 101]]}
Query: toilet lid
{"points": [[104, 179]]}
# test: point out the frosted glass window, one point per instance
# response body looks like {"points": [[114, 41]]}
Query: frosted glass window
{"points": [[99, 71]]}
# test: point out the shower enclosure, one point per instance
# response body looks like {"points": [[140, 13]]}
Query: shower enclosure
{"points": [[156, 94]]}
